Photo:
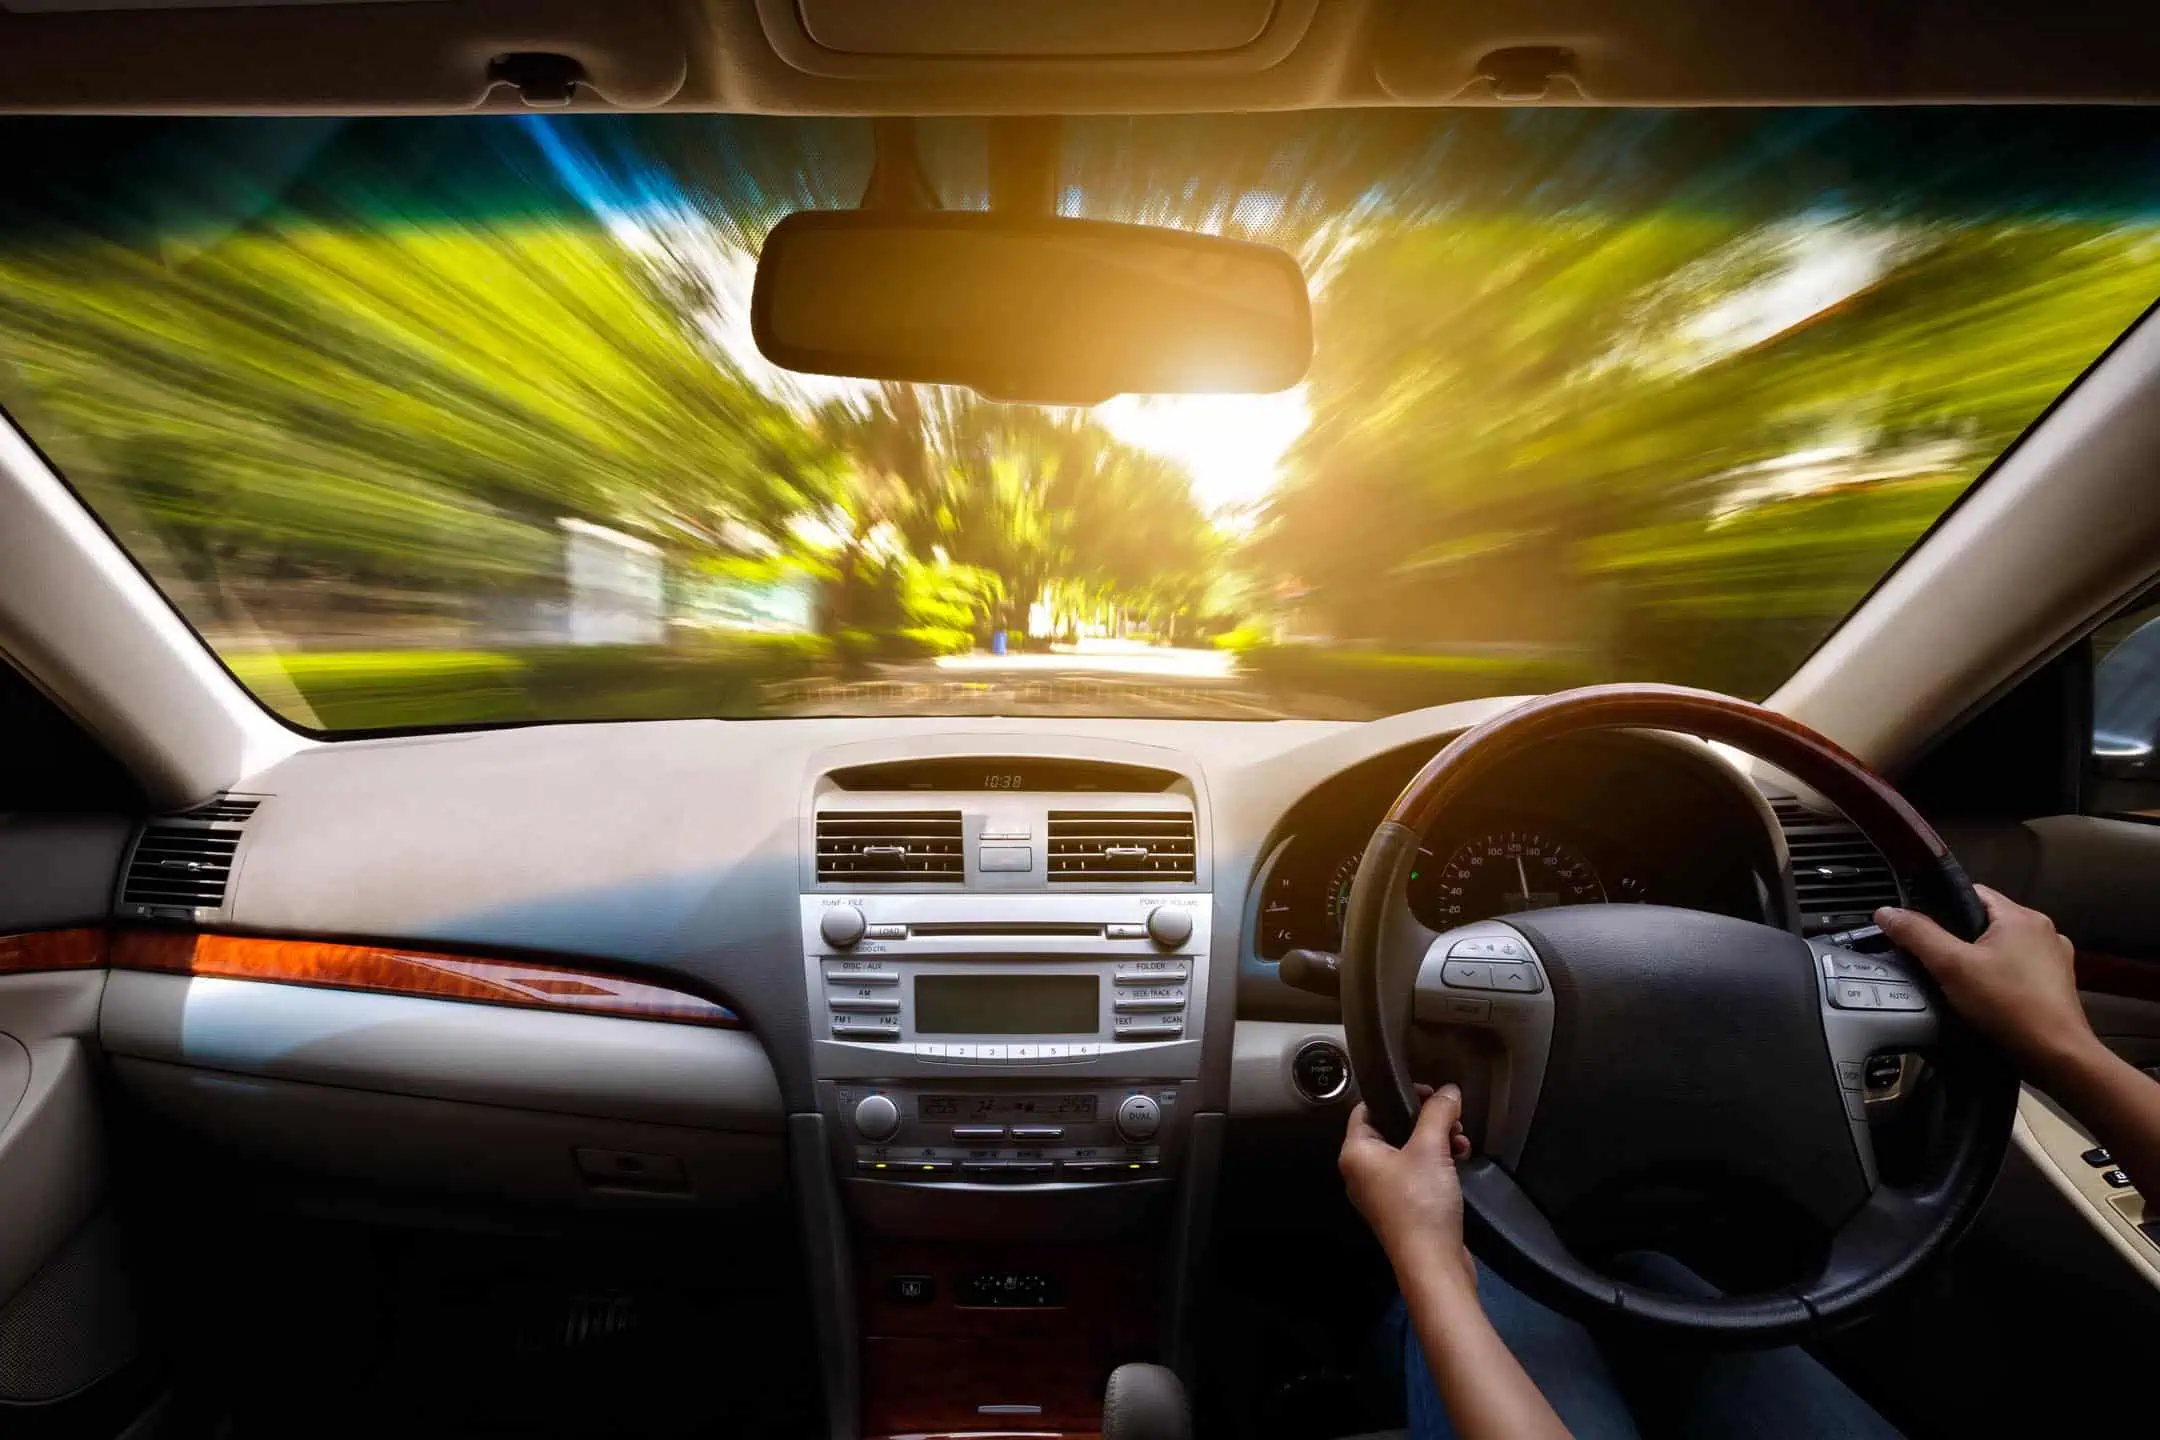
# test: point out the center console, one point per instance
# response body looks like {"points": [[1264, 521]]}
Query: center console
{"points": [[1006, 963]]}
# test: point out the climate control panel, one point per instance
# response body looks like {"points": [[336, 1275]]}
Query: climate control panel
{"points": [[1006, 1135]]}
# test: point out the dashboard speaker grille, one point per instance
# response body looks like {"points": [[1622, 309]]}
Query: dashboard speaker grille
{"points": [[1839, 876], [183, 863], [1111, 845], [890, 847]]}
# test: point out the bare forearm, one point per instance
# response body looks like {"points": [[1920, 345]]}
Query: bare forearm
{"points": [[2115, 1100], [1488, 1394]]}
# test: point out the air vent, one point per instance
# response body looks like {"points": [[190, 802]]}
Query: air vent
{"points": [[1144, 846], [890, 847], [1840, 877], [183, 863], [233, 808]]}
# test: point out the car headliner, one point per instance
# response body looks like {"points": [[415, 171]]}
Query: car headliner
{"points": [[969, 56]]}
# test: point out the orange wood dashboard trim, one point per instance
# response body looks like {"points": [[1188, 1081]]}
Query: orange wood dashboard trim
{"points": [[51, 950], [395, 970]]}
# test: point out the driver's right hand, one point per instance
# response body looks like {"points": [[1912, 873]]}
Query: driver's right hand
{"points": [[2016, 983]]}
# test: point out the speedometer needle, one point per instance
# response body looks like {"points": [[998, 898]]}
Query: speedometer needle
{"points": [[1524, 876]]}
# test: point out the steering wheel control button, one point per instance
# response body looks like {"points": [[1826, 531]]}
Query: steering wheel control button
{"points": [[1848, 1074], [1488, 947], [2116, 1179], [1853, 995], [2098, 1156], [1517, 979], [842, 926], [1138, 1118], [877, 1118], [1468, 974], [1854, 967], [1855, 1105], [1320, 1071], [1465, 1010], [1899, 995], [1169, 926]]}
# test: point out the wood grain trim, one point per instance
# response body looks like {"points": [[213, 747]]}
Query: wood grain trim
{"points": [[399, 971], [37, 950], [2105, 974]]}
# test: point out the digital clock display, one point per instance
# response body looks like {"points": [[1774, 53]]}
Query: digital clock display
{"points": [[966, 1108]]}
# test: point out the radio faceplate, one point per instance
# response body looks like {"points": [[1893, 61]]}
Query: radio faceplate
{"points": [[1038, 986]]}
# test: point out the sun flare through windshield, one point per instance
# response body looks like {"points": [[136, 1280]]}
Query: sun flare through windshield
{"points": [[458, 421]]}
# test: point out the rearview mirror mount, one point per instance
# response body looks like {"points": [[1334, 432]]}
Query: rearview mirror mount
{"points": [[1029, 308]]}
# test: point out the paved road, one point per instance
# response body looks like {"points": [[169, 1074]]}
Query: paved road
{"points": [[1101, 678]]}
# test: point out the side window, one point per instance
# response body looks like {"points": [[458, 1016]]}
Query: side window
{"points": [[2126, 714]]}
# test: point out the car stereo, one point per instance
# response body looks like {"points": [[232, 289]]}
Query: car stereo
{"points": [[974, 1038]]}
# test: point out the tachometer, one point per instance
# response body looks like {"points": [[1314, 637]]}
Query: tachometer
{"points": [[1338, 894], [1502, 872]]}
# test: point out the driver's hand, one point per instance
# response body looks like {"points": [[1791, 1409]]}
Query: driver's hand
{"points": [[2016, 982], [1410, 1196]]}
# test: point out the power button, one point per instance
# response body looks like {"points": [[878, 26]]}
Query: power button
{"points": [[1320, 1071]]}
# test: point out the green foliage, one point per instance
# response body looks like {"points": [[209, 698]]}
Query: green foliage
{"points": [[359, 690], [1242, 640]]}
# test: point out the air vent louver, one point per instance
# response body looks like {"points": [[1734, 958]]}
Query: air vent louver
{"points": [[890, 847], [1142, 846], [234, 808], [183, 863], [1840, 877]]}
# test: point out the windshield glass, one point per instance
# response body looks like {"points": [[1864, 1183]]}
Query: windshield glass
{"points": [[458, 421]]}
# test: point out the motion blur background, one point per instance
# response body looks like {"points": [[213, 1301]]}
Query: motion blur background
{"points": [[439, 422]]}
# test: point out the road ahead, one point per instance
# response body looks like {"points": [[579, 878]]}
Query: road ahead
{"points": [[1099, 678]]}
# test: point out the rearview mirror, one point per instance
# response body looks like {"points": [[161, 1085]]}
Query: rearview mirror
{"points": [[1059, 312]]}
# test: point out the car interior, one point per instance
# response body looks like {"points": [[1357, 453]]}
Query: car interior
{"points": [[447, 989]]}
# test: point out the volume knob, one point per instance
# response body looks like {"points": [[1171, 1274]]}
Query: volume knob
{"points": [[877, 1118], [1169, 926], [841, 926]]}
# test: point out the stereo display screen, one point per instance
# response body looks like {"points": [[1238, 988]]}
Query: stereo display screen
{"points": [[1007, 1004]]}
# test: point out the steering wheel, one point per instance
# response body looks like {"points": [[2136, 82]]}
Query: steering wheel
{"points": [[1642, 1044]]}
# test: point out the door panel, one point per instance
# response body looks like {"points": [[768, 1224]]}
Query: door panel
{"points": [[65, 1318]]}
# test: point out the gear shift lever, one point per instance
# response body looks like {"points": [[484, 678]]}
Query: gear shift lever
{"points": [[1145, 1402]]}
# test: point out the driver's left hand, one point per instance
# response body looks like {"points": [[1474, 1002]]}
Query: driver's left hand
{"points": [[1411, 1197]]}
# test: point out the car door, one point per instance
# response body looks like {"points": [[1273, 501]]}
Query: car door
{"points": [[68, 1331], [2053, 797]]}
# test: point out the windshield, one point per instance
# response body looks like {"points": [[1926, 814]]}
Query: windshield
{"points": [[432, 422]]}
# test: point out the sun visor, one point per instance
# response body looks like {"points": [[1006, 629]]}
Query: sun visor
{"points": [[871, 38]]}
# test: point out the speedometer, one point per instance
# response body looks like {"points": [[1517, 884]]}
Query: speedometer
{"points": [[1505, 871]]}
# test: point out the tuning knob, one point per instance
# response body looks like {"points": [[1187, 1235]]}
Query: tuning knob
{"points": [[877, 1118], [1138, 1118], [841, 926], [1169, 926]]}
